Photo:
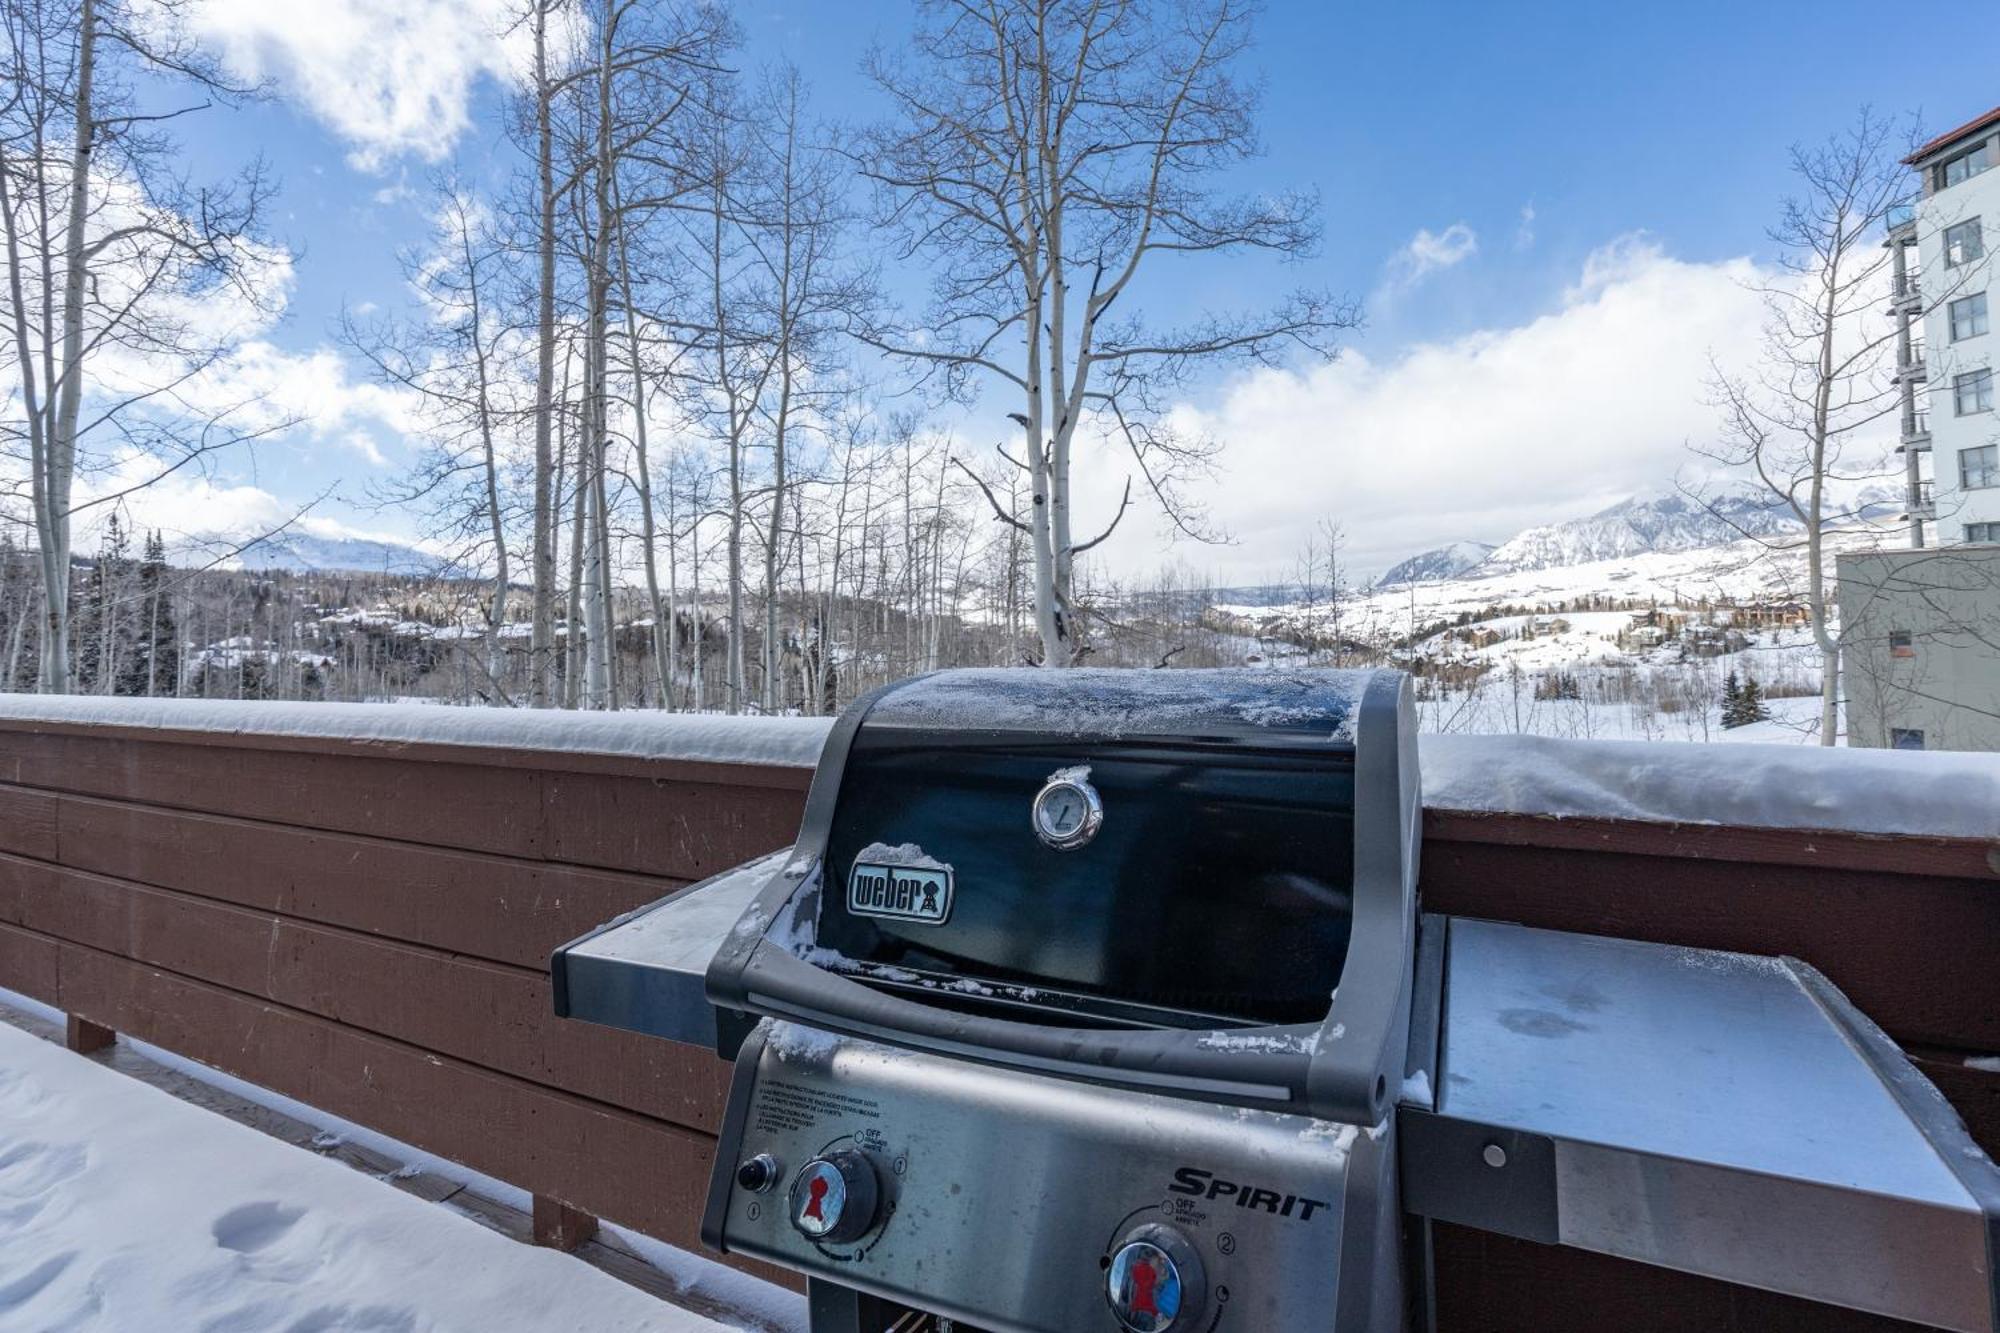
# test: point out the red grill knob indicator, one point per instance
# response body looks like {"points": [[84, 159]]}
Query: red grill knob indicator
{"points": [[1155, 1282], [835, 1198]]}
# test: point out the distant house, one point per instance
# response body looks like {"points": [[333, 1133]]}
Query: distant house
{"points": [[1712, 641], [1763, 615]]}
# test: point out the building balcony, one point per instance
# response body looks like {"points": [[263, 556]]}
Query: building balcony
{"points": [[1910, 367], [1901, 224], [1906, 296], [1916, 432]]}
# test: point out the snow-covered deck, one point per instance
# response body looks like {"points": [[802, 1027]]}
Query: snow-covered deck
{"points": [[125, 1208]]}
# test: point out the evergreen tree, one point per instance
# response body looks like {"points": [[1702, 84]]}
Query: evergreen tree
{"points": [[102, 622], [153, 668], [1732, 702], [1753, 707], [19, 628]]}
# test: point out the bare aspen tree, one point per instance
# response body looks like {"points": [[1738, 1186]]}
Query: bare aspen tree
{"points": [[593, 443], [1333, 540], [793, 224], [107, 250], [726, 383], [662, 628], [647, 61], [1792, 420], [454, 359], [1044, 155], [541, 641], [855, 438]]}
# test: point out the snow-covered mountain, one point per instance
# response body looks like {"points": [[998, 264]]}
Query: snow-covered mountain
{"points": [[306, 553], [1666, 522], [1445, 562]]}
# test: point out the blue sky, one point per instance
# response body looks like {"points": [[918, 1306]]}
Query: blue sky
{"points": [[1568, 168]]}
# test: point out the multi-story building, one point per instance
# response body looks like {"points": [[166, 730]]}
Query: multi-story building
{"points": [[1920, 628], [1945, 367]]}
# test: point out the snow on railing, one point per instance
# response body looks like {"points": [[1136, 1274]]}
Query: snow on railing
{"points": [[1932, 793], [791, 742], [1941, 794]]}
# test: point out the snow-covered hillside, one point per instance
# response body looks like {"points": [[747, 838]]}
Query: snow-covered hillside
{"points": [[1737, 571], [1640, 645]]}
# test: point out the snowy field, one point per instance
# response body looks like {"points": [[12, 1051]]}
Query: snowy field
{"points": [[124, 1209]]}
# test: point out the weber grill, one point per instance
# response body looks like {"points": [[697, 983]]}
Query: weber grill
{"points": [[1102, 1000]]}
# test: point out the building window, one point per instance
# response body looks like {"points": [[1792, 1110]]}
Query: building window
{"points": [[1963, 243], [1963, 167], [1901, 644], [1978, 468], [1972, 392], [1968, 317], [1906, 738], [1982, 532]]}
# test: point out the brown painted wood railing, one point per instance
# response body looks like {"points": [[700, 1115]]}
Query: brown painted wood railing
{"points": [[364, 927]]}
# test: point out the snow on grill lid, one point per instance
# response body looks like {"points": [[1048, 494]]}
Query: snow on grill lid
{"points": [[1113, 703]]}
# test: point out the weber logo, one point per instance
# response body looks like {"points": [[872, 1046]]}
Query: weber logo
{"points": [[903, 893]]}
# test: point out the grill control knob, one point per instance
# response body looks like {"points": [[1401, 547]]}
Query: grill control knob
{"points": [[835, 1197], [758, 1173], [1155, 1282]]}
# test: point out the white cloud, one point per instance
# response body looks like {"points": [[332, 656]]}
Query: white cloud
{"points": [[1429, 252], [400, 192], [391, 77], [262, 387], [1524, 234], [1475, 437]]}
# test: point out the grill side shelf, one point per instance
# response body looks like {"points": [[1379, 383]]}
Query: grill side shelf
{"points": [[647, 971], [1708, 1112]]}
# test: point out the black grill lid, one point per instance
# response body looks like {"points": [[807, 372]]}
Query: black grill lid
{"points": [[1197, 734]]}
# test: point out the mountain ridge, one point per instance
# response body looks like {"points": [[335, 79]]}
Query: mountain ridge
{"points": [[307, 553], [1449, 561]]}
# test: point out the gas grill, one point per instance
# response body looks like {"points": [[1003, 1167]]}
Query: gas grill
{"points": [[1103, 1000]]}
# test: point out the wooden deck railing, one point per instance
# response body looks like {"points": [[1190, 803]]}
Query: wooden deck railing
{"points": [[365, 927]]}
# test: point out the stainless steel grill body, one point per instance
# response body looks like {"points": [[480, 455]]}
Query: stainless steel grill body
{"points": [[1005, 1196]]}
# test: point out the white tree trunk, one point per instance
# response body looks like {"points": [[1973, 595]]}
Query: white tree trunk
{"points": [[542, 631]]}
